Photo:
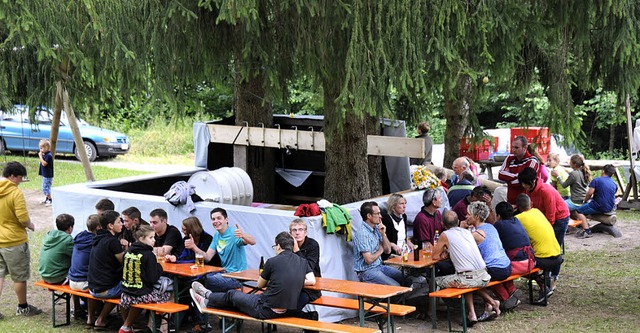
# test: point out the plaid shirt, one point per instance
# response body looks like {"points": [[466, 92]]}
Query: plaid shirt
{"points": [[367, 239]]}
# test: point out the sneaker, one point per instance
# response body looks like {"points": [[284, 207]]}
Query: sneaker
{"points": [[200, 289], [581, 233], [125, 330], [588, 233], [541, 296], [48, 202], [198, 299], [30, 310], [44, 202]]}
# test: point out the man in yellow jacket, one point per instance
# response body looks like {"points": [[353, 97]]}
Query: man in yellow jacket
{"points": [[14, 248]]}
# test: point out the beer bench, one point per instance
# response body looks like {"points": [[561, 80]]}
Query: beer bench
{"points": [[459, 292], [61, 294], [305, 324], [375, 311]]}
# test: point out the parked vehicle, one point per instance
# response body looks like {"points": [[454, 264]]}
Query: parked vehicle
{"points": [[19, 133]]}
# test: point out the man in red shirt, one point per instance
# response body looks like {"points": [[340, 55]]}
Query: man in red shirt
{"points": [[514, 164], [547, 199]]}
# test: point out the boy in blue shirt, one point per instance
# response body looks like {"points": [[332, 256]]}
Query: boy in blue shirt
{"points": [[46, 169]]}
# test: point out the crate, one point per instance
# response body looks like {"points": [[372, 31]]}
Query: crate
{"points": [[538, 135], [478, 152]]}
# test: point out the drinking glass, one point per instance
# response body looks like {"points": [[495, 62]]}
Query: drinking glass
{"points": [[427, 248]]}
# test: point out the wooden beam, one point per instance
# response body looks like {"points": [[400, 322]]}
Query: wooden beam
{"points": [[310, 140]]}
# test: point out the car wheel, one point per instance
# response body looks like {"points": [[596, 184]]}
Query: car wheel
{"points": [[90, 148]]}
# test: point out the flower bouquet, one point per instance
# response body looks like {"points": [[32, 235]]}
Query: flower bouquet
{"points": [[422, 178]]}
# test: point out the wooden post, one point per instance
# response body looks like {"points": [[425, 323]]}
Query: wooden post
{"points": [[632, 176]]}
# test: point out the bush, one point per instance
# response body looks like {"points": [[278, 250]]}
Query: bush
{"points": [[163, 138]]}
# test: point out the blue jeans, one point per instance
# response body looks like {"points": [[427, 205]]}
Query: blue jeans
{"points": [[382, 275], [586, 209], [46, 185], [218, 283], [250, 304], [113, 292], [559, 229]]}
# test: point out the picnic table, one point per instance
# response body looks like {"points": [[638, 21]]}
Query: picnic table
{"points": [[178, 270], [423, 263], [372, 292]]}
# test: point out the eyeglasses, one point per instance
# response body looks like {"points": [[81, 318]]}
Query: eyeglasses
{"points": [[376, 214], [274, 246], [298, 229]]}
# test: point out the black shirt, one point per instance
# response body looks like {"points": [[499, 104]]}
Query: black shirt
{"points": [[310, 250], [105, 271], [285, 273], [128, 234], [173, 238]]}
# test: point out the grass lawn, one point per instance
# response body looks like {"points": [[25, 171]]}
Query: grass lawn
{"points": [[67, 171]]}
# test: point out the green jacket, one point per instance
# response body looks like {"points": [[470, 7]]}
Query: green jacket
{"points": [[55, 256]]}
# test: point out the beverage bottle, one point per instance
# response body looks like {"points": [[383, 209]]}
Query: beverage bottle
{"points": [[261, 268], [435, 238], [405, 252], [416, 253]]}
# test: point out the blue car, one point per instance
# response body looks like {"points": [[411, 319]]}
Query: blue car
{"points": [[18, 133]]}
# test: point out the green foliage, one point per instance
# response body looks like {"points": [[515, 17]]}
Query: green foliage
{"points": [[163, 138], [606, 108]]}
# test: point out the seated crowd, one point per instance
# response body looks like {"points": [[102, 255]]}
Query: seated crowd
{"points": [[472, 244]]}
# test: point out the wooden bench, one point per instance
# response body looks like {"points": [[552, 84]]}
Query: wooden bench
{"points": [[378, 312], [62, 293], [459, 292], [305, 324]]}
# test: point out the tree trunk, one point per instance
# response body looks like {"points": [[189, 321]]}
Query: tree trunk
{"points": [[372, 125], [77, 138], [55, 124], [346, 163], [457, 111], [612, 138], [251, 107]]}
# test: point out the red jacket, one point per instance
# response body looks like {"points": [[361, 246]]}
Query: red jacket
{"points": [[547, 199], [510, 170]]}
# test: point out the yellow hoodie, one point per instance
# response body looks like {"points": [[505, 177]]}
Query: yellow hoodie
{"points": [[13, 215]]}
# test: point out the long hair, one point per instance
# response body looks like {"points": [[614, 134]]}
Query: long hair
{"points": [[578, 161]]}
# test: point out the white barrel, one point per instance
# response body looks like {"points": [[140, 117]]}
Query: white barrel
{"points": [[225, 185]]}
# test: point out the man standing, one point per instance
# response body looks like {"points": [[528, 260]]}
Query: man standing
{"points": [[307, 248], [14, 248], [514, 164], [370, 241], [229, 243], [283, 276], [167, 236]]}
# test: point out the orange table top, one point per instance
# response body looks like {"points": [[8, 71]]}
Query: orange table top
{"points": [[363, 289], [184, 269], [422, 263]]}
